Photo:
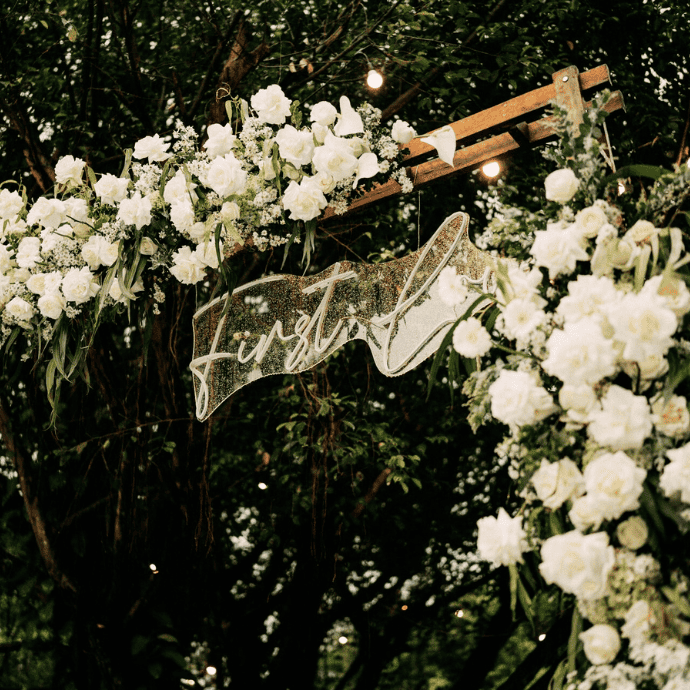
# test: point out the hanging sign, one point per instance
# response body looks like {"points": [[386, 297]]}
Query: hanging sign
{"points": [[286, 324]]}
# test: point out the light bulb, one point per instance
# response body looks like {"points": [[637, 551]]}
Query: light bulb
{"points": [[374, 79], [491, 169], [211, 670], [459, 613], [342, 639], [263, 486]]}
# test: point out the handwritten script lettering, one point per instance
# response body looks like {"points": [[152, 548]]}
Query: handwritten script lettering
{"points": [[286, 324]]}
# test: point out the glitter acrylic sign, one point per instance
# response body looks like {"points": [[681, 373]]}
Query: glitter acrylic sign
{"points": [[286, 324]]}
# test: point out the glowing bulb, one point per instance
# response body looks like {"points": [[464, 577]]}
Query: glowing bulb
{"points": [[459, 613], [404, 607], [211, 670], [263, 486], [342, 639], [542, 637], [491, 169], [374, 79], [153, 566]]}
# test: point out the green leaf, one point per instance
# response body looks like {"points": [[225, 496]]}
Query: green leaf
{"points": [[513, 589], [574, 639], [138, 644], [652, 172]]}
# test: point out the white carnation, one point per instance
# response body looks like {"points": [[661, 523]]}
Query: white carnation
{"points": [[323, 113], [48, 213], [69, 170], [186, 267], [135, 211], [304, 200], [558, 482], [11, 203], [623, 422], [502, 541], [271, 105], [294, 146], [220, 140], [79, 285], [110, 189], [517, 399], [153, 148], [225, 176], [471, 339], [557, 249], [28, 252]]}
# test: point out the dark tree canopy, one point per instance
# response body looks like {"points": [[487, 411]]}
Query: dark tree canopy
{"points": [[139, 546]]}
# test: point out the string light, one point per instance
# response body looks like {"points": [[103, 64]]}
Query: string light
{"points": [[263, 486], [542, 637], [152, 566], [404, 607], [374, 79], [491, 169], [459, 613], [211, 670], [342, 639]]}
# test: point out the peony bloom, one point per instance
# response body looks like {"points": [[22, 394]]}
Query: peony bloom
{"points": [[502, 541], [675, 479], [271, 105], [135, 211], [153, 148], [602, 643], [623, 422], [69, 170], [48, 213], [585, 514], [558, 482], [304, 200], [517, 399], [580, 354], [296, 147], [402, 132], [471, 339], [220, 140], [79, 285], [578, 401], [578, 564], [558, 249], [561, 185], [614, 483]]}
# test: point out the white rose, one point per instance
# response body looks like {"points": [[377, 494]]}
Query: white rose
{"points": [[335, 158], [51, 304], [197, 231], [79, 285], [11, 204], [578, 564], [623, 422], [642, 231], [502, 541], [323, 113], [229, 212], [580, 354], [271, 105], [20, 309], [153, 148], [648, 369], [135, 211], [77, 215], [632, 533], [673, 290], [205, 253], [90, 251], [558, 482], [585, 514], [220, 140], [452, 288], [115, 292], [225, 176], [324, 182], [561, 185], [40, 283], [110, 189], [578, 401], [602, 644], [186, 267], [644, 324], [304, 200], [591, 296], [177, 191], [295, 147], [614, 482], [590, 220], [29, 252], [517, 399], [471, 339], [69, 170], [558, 249], [671, 418], [402, 132], [182, 215], [5, 258], [48, 213], [675, 479], [147, 246], [638, 620]]}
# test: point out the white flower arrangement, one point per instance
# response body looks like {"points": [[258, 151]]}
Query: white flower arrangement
{"points": [[174, 210], [589, 371]]}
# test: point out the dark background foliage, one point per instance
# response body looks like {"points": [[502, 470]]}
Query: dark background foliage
{"points": [[366, 527]]}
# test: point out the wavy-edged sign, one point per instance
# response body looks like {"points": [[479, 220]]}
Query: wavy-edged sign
{"points": [[286, 324]]}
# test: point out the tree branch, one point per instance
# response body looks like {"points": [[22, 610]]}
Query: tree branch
{"points": [[36, 519]]}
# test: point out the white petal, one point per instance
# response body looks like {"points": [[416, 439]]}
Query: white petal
{"points": [[368, 166], [443, 140], [350, 121]]}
